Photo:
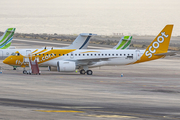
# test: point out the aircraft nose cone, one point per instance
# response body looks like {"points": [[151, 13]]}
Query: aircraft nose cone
{"points": [[6, 61]]}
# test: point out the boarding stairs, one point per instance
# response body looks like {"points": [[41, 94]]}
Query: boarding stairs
{"points": [[33, 66]]}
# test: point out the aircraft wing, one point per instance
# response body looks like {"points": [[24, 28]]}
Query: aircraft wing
{"points": [[92, 60]]}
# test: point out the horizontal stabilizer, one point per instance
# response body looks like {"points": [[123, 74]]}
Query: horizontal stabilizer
{"points": [[87, 34], [166, 54]]}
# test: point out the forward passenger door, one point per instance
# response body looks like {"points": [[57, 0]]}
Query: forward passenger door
{"points": [[138, 54]]}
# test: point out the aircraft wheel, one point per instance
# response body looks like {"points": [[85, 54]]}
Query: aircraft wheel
{"points": [[24, 72], [89, 72], [82, 71]]}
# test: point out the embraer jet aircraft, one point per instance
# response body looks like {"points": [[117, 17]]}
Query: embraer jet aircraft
{"points": [[68, 60], [6, 38]]}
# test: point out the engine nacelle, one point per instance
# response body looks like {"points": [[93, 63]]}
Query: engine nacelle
{"points": [[66, 66]]}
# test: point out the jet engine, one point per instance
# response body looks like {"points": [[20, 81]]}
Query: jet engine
{"points": [[66, 66]]}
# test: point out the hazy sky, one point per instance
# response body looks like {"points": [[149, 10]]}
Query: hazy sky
{"points": [[99, 16]]}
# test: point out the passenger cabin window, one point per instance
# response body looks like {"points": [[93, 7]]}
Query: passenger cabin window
{"points": [[91, 54], [95, 54], [39, 54], [116, 54], [83, 54], [47, 54], [109, 54], [120, 54], [79, 54], [63, 54], [35, 54], [124, 54], [87, 54], [59, 54], [54, 54]]}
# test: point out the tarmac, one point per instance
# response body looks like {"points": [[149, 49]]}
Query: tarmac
{"points": [[147, 91]]}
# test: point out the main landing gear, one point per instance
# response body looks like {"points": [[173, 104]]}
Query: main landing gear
{"points": [[25, 72], [89, 72]]}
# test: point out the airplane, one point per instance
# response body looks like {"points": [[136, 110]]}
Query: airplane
{"points": [[69, 60], [6, 39]]}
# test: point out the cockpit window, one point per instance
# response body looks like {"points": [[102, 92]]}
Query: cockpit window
{"points": [[13, 54]]}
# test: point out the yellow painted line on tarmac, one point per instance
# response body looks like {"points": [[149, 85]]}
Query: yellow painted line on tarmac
{"points": [[68, 111], [110, 116]]}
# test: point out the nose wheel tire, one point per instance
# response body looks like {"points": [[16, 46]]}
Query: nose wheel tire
{"points": [[89, 72], [82, 72]]}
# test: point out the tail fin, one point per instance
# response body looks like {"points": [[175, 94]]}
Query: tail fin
{"points": [[123, 43], [6, 38], [82, 41], [159, 45]]}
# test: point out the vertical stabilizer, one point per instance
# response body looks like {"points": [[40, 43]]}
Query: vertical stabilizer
{"points": [[123, 43], [158, 46], [82, 41], [6, 38]]}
